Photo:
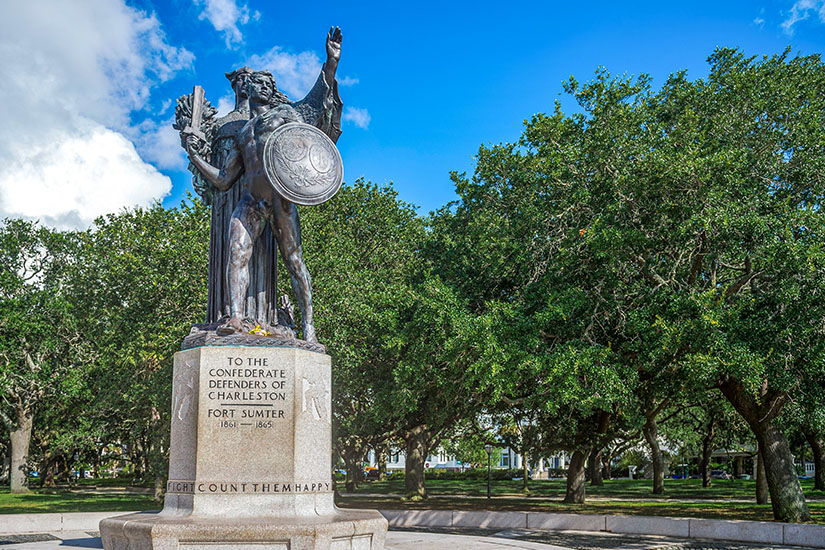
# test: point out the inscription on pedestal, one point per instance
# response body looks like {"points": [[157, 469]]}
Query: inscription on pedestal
{"points": [[191, 487], [250, 420], [246, 393]]}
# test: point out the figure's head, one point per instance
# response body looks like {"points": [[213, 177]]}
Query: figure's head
{"points": [[260, 87], [238, 79]]}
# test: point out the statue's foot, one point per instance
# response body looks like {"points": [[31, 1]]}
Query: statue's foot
{"points": [[233, 325], [309, 333]]}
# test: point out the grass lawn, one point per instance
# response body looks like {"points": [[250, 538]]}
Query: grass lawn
{"points": [[682, 498], [112, 482], [622, 489], [54, 501]]}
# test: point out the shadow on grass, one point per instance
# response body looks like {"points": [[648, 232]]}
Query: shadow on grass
{"points": [[711, 510], [675, 489]]}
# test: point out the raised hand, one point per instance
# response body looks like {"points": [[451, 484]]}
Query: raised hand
{"points": [[334, 43]]}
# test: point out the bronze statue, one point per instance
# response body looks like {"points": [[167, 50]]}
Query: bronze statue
{"points": [[261, 295], [265, 128]]}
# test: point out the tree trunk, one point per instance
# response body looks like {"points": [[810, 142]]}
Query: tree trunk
{"points": [[608, 469], [525, 474], [575, 478], [787, 499], [414, 464], [20, 440], [96, 466], [704, 466], [381, 457], [817, 444], [651, 433], [596, 479], [147, 465], [761, 480], [62, 469], [352, 463], [4, 469], [137, 470], [47, 472], [158, 497], [707, 451]]}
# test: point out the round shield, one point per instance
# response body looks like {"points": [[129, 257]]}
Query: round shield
{"points": [[302, 164]]}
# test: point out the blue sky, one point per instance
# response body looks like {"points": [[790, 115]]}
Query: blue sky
{"points": [[425, 83]]}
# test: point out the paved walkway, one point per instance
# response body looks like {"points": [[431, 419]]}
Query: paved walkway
{"points": [[396, 540], [558, 497], [448, 539], [588, 540]]}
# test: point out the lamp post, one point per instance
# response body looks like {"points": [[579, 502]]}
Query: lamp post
{"points": [[489, 449], [76, 472]]}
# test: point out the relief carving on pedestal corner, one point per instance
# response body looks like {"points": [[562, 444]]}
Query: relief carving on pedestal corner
{"points": [[314, 396], [183, 392]]}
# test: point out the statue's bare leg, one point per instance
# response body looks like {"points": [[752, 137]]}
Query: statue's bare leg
{"points": [[288, 232], [247, 223]]}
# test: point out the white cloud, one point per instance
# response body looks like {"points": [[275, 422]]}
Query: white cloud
{"points": [[225, 104], [69, 87], [159, 143], [165, 105], [79, 178], [800, 11], [347, 81], [759, 22], [295, 73], [358, 116], [225, 16]]}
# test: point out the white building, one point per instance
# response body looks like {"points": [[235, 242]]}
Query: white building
{"points": [[509, 459]]}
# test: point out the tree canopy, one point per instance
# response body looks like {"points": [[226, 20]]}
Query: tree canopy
{"points": [[657, 254]]}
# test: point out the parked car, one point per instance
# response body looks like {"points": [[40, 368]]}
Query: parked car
{"points": [[719, 474], [371, 473]]}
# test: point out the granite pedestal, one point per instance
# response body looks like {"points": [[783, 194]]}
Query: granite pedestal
{"points": [[250, 459]]}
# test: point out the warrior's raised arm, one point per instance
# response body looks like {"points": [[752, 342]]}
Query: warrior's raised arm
{"points": [[322, 106], [333, 54]]}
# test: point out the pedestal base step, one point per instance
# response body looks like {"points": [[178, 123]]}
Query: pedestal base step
{"points": [[344, 530]]}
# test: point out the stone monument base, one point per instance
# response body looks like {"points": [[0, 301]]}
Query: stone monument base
{"points": [[250, 457], [342, 530]]}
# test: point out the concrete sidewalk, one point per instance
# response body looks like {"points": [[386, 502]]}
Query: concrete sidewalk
{"points": [[576, 531], [396, 540], [449, 539]]}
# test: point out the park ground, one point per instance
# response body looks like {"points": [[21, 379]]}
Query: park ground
{"points": [[682, 498]]}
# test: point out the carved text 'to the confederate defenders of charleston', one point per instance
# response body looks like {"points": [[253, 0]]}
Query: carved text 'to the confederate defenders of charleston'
{"points": [[280, 153]]}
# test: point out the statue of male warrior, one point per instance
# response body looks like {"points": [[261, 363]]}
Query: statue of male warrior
{"points": [[261, 295], [259, 203]]}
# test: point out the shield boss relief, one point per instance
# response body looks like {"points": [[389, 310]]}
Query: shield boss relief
{"points": [[302, 164]]}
